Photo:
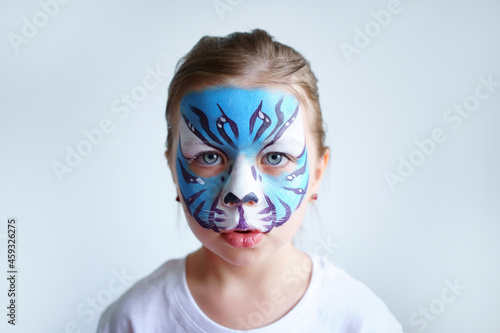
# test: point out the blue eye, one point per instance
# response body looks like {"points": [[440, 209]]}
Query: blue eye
{"points": [[210, 158], [274, 158]]}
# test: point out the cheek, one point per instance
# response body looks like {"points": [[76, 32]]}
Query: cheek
{"points": [[291, 186], [286, 188], [194, 188]]}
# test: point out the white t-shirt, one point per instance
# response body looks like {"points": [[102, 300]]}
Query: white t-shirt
{"points": [[333, 302]]}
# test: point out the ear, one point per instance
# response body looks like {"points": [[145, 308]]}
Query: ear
{"points": [[319, 172], [171, 166]]}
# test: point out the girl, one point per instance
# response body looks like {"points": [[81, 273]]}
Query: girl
{"points": [[246, 149]]}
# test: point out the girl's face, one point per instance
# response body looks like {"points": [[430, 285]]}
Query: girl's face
{"points": [[243, 167]]}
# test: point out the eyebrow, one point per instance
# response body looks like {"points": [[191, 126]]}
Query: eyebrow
{"points": [[191, 141], [287, 143], [199, 147]]}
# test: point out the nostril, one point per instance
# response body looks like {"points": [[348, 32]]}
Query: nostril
{"points": [[250, 198], [231, 198]]}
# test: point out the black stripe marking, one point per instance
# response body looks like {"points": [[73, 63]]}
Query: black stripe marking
{"points": [[204, 124]]}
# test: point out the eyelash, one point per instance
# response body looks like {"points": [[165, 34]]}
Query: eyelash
{"points": [[281, 165], [278, 166], [195, 157]]}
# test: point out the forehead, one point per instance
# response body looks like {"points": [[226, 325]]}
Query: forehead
{"points": [[241, 117], [234, 95], [238, 103]]}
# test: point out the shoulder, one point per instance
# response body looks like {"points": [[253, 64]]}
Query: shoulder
{"points": [[349, 305], [140, 304]]}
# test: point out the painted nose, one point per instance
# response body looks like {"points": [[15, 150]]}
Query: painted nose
{"points": [[242, 186], [230, 198]]}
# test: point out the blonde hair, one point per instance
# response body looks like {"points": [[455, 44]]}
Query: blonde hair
{"points": [[253, 57]]}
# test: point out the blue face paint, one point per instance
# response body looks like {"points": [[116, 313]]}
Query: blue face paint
{"points": [[252, 131]]}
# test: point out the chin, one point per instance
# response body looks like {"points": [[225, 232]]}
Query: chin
{"points": [[241, 257]]}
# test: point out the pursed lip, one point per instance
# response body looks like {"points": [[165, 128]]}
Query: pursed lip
{"points": [[242, 238]]}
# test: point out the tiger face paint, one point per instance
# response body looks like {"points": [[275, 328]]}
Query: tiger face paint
{"points": [[242, 158]]}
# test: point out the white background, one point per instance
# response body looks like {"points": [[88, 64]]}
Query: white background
{"points": [[115, 213]]}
